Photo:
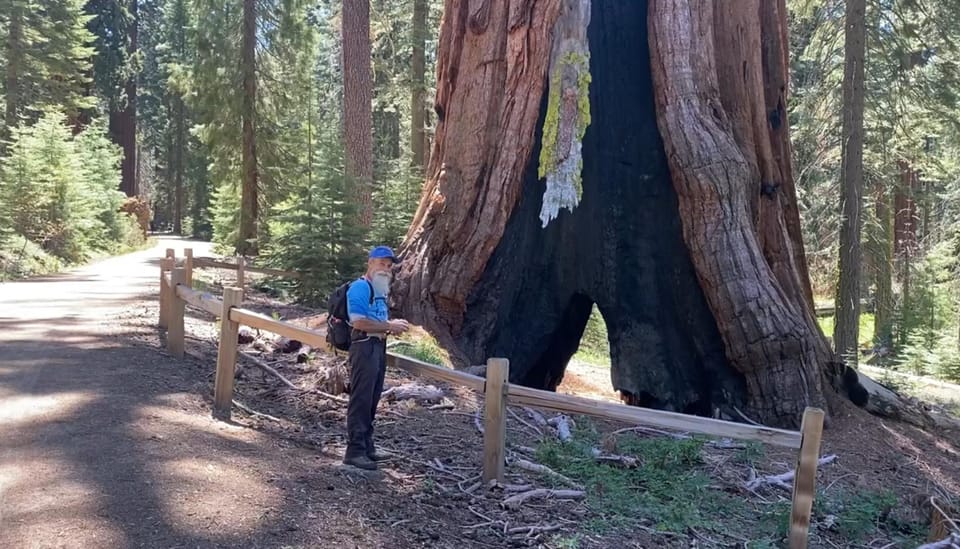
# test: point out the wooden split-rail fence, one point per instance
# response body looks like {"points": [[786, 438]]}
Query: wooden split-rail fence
{"points": [[176, 292]]}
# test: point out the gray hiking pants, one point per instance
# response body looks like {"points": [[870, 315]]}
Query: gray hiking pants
{"points": [[368, 366]]}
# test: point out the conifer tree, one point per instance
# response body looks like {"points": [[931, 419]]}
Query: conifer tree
{"points": [[47, 53]]}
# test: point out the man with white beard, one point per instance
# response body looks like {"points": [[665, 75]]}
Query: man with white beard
{"points": [[367, 312]]}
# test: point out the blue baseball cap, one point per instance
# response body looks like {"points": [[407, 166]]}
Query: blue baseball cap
{"points": [[383, 252]]}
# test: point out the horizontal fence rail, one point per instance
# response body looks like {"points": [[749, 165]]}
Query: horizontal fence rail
{"points": [[175, 293], [216, 264]]}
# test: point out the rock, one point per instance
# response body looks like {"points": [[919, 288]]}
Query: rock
{"points": [[303, 355], [286, 346], [245, 336]]}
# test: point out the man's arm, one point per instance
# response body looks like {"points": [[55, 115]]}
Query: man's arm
{"points": [[358, 310], [365, 324]]}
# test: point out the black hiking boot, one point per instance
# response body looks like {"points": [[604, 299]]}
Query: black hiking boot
{"points": [[361, 462]]}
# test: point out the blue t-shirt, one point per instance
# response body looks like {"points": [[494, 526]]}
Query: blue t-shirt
{"points": [[358, 302]]}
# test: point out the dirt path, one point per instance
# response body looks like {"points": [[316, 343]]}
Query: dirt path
{"points": [[105, 444]]}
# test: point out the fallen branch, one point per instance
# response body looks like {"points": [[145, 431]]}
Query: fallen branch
{"points": [[267, 368], [782, 480], [270, 370], [623, 461], [413, 391], [253, 412], [544, 470], [532, 530], [534, 428], [952, 542], [536, 416], [514, 502], [651, 430]]}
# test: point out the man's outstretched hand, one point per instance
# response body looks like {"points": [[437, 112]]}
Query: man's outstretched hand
{"points": [[399, 326]]}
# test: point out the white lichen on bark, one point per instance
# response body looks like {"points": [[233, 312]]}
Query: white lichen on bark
{"points": [[568, 111]]}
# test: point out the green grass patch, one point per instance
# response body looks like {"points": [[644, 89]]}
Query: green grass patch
{"points": [[672, 491], [865, 336]]}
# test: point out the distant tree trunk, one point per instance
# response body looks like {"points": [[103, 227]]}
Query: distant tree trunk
{"points": [[847, 327], [249, 202], [14, 56], [683, 226], [905, 211], [178, 167], [883, 268], [126, 120], [358, 103], [418, 69]]}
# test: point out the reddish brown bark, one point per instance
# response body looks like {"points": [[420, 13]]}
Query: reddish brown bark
{"points": [[719, 84], [490, 78], [358, 103], [768, 331]]}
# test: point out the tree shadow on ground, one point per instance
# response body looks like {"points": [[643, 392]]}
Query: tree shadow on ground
{"points": [[112, 445]]}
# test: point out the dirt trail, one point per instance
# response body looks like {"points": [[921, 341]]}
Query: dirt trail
{"points": [[106, 444]]}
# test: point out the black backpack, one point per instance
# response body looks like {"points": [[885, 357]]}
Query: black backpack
{"points": [[338, 330]]}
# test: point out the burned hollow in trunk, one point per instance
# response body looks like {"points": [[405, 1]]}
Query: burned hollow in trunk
{"points": [[621, 248]]}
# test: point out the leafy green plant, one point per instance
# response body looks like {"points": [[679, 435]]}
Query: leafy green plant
{"points": [[425, 349]]}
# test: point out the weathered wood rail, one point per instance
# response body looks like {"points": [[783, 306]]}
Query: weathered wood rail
{"points": [[241, 267], [176, 292]]}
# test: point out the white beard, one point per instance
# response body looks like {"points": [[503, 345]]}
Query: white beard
{"points": [[381, 284]]}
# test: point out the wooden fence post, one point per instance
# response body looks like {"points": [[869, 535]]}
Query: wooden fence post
{"points": [[226, 356], [495, 418], [188, 266], [175, 309], [804, 484], [240, 274], [166, 265]]}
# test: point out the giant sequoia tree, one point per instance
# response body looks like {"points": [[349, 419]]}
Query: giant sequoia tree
{"points": [[660, 129]]}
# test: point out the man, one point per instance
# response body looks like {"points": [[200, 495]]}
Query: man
{"points": [[367, 312]]}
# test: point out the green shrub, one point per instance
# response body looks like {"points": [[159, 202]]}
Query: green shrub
{"points": [[21, 258], [59, 190]]}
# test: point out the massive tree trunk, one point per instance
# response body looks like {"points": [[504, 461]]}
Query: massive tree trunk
{"points": [[249, 202], [358, 103], [847, 327], [673, 158]]}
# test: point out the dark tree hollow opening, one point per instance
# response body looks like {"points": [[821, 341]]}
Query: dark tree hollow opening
{"points": [[621, 248]]}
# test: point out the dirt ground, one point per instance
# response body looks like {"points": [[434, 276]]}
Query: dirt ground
{"points": [[106, 441]]}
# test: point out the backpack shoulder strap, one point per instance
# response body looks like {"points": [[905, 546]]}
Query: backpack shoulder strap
{"points": [[369, 285]]}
